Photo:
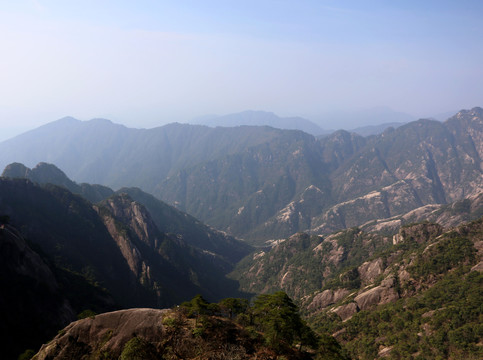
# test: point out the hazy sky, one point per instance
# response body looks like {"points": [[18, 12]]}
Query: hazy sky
{"points": [[145, 63]]}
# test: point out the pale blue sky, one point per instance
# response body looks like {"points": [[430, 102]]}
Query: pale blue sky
{"points": [[146, 63]]}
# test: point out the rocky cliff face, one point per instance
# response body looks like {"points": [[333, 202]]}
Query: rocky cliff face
{"points": [[165, 217], [260, 183], [118, 246], [303, 264], [169, 220], [164, 265], [446, 215], [342, 181], [340, 268], [427, 271]]}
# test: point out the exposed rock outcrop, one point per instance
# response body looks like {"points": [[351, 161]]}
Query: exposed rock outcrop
{"points": [[370, 270], [152, 334], [346, 311], [378, 295], [326, 298], [105, 334]]}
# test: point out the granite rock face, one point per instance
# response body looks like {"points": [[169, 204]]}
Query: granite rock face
{"points": [[108, 332], [346, 311], [378, 295]]}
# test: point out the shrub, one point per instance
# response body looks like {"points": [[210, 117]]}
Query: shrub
{"points": [[138, 349]]}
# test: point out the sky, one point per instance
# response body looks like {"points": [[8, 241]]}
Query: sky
{"points": [[146, 63]]}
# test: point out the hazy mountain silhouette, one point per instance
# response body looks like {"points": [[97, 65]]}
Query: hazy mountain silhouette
{"points": [[261, 118], [258, 182]]}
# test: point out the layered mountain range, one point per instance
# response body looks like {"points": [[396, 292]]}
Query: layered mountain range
{"points": [[62, 254], [261, 183], [416, 294], [366, 234]]}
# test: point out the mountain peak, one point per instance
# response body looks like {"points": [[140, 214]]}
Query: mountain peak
{"points": [[262, 118], [474, 112], [101, 121], [42, 173], [68, 119], [16, 170]]}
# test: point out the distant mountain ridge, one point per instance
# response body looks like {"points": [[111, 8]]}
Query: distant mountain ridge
{"points": [[367, 234], [262, 183], [375, 129], [262, 118], [363, 117], [339, 181]]}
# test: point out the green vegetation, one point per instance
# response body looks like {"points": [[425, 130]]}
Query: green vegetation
{"points": [[26, 355], [138, 349], [451, 251], [304, 269], [86, 314], [277, 317], [442, 316], [431, 326], [272, 317]]}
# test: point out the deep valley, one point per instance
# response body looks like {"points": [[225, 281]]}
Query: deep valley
{"points": [[178, 242]]}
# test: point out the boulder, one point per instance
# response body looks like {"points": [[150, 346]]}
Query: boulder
{"points": [[370, 270], [378, 295], [346, 311], [326, 298]]}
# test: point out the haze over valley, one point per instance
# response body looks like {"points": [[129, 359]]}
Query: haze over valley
{"points": [[270, 180], [140, 225]]}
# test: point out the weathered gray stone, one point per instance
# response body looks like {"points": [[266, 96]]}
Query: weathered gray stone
{"points": [[105, 331], [346, 311], [378, 295], [369, 271]]}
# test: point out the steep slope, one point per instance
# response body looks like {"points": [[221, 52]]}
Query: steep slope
{"points": [[303, 263], [172, 221], [116, 245], [447, 215], [38, 298], [41, 310], [438, 164], [417, 293], [421, 163], [169, 268], [167, 218], [420, 299], [239, 192], [260, 183], [68, 230], [413, 294]]}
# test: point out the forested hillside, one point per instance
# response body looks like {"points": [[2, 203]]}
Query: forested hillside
{"points": [[261, 183]]}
